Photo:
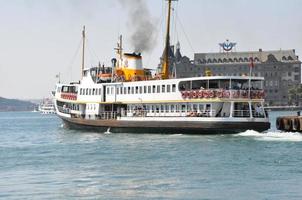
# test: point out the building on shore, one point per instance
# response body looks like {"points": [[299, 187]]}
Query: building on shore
{"points": [[280, 68]]}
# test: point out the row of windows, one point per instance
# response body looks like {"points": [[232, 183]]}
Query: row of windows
{"points": [[90, 91], [142, 89], [199, 61], [170, 108]]}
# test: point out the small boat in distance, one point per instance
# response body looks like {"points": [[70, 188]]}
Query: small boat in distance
{"points": [[47, 106], [125, 97]]}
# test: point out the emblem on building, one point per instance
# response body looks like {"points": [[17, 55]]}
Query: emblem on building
{"points": [[227, 45]]}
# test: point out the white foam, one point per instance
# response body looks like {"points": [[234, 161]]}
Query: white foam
{"points": [[273, 136]]}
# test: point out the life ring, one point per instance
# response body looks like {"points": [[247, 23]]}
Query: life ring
{"points": [[195, 94], [226, 94], [211, 94], [260, 94], [200, 94], [205, 94], [235, 93], [184, 94], [244, 94], [219, 94], [190, 94]]}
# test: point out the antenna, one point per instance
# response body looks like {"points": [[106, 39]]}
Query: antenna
{"points": [[83, 51]]}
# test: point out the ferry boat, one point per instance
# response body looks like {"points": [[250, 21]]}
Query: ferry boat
{"points": [[47, 107], [126, 98]]}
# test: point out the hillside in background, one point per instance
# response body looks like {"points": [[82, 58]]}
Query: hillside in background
{"points": [[15, 105]]}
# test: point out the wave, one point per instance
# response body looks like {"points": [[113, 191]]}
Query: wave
{"points": [[273, 135]]}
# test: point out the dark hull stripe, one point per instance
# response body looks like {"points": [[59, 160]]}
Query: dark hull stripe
{"points": [[165, 127]]}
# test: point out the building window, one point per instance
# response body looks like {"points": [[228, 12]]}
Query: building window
{"points": [[297, 69], [297, 78], [289, 73]]}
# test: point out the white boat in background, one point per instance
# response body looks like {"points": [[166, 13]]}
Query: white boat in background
{"points": [[47, 106]]}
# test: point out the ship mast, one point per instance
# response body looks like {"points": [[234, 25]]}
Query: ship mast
{"points": [[83, 52], [165, 67]]}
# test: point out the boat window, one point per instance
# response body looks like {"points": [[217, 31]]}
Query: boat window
{"points": [[153, 88], [149, 89], [93, 91], [100, 91], [96, 91], [86, 91], [145, 89], [140, 89], [163, 88], [132, 90], [172, 108], [184, 85], [213, 84], [112, 90], [125, 90], [158, 89], [89, 91], [129, 90], [183, 108], [118, 90], [167, 108], [168, 88], [199, 84], [121, 88], [157, 108], [241, 109], [136, 90], [201, 107], [174, 88], [162, 109]]}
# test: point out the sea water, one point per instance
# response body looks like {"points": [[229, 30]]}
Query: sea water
{"points": [[40, 159]]}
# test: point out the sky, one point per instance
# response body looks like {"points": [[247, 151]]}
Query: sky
{"points": [[42, 38]]}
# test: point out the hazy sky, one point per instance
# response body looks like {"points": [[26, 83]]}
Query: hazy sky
{"points": [[40, 38]]}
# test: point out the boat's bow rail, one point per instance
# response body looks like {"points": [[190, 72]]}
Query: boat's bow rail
{"points": [[222, 93]]}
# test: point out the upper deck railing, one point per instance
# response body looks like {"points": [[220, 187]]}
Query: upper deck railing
{"points": [[222, 93], [69, 96]]}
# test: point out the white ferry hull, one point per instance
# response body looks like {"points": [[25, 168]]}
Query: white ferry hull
{"points": [[166, 127]]}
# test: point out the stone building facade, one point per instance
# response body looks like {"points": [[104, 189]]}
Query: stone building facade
{"points": [[280, 68]]}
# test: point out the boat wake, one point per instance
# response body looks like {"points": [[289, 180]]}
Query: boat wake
{"points": [[273, 136]]}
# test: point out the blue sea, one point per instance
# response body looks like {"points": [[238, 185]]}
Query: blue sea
{"points": [[40, 159]]}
